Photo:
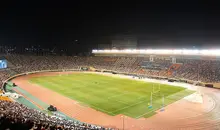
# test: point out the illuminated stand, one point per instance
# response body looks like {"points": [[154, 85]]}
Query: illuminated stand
{"points": [[213, 52]]}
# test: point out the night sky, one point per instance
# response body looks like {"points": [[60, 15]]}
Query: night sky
{"points": [[159, 23]]}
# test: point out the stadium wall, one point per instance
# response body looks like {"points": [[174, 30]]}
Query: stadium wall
{"points": [[216, 85]]}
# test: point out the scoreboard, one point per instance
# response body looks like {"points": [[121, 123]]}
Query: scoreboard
{"points": [[3, 64]]}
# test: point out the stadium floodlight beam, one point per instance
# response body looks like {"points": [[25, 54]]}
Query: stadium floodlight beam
{"points": [[205, 52]]}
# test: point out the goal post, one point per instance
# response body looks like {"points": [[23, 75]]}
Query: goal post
{"points": [[150, 105], [156, 94]]}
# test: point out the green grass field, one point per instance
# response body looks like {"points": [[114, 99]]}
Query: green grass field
{"points": [[113, 95]]}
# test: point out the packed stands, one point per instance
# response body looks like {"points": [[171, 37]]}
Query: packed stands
{"points": [[15, 116], [192, 69]]}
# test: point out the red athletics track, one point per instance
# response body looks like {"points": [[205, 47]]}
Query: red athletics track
{"points": [[181, 115]]}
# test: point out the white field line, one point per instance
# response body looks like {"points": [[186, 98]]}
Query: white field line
{"points": [[128, 106], [127, 93], [164, 106], [121, 102], [54, 84], [92, 105], [128, 114], [86, 103], [148, 80], [124, 94], [95, 107], [153, 110], [108, 98], [146, 113], [117, 95], [82, 102]]}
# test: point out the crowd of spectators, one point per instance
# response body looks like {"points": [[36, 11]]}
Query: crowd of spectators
{"points": [[11, 116], [200, 70], [192, 69], [15, 116], [4, 74]]}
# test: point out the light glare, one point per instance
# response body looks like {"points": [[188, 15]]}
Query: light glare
{"points": [[204, 52]]}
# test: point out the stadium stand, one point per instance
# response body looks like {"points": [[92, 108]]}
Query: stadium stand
{"points": [[190, 69], [12, 118]]}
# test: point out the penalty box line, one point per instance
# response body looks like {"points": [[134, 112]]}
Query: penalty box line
{"points": [[117, 95], [128, 93], [101, 109], [146, 113], [90, 105], [125, 103], [118, 100], [128, 106], [159, 108]]}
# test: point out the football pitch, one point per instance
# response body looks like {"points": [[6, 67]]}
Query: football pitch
{"points": [[113, 95]]}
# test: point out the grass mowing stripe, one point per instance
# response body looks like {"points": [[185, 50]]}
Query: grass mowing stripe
{"points": [[92, 105], [59, 89], [111, 95], [131, 105], [95, 91]]}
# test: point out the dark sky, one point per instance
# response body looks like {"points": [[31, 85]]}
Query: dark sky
{"points": [[59, 23]]}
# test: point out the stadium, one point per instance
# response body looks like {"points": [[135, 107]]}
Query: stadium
{"points": [[115, 89]]}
